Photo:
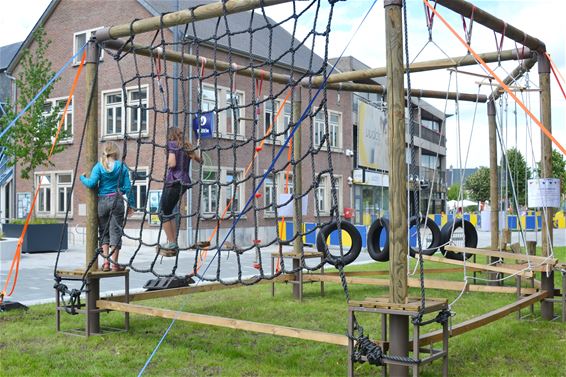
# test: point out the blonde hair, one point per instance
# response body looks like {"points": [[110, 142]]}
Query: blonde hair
{"points": [[111, 150]]}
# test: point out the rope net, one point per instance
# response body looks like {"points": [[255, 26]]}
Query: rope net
{"points": [[237, 106]]}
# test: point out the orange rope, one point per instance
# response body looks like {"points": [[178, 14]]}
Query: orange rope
{"points": [[15, 265], [556, 73], [204, 254], [499, 81]]}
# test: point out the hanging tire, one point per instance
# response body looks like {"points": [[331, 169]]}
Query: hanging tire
{"points": [[470, 237], [432, 246], [374, 235], [348, 256]]}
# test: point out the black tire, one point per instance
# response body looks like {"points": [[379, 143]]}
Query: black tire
{"points": [[374, 234], [348, 256], [470, 234], [432, 247]]}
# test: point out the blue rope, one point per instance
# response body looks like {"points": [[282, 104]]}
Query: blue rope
{"points": [[295, 127], [49, 83]]}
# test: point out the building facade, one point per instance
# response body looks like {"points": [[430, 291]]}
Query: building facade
{"points": [[133, 112]]}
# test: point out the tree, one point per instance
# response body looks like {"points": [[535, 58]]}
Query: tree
{"points": [[28, 141], [477, 185], [518, 172], [454, 192], [558, 169]]}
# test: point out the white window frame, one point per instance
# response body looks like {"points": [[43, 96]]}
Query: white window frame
{"points": [[66, 186], [210, 191], [70, 112], [323, 193], [125, 127], [269, 193], [221, 102], [138, 186], [45, 195], [281, 123], [333, 129], [138, 106], [88, 33], [225, 197], [53, 187]]}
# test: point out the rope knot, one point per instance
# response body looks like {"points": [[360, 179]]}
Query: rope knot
{"points": [[372, 352]]}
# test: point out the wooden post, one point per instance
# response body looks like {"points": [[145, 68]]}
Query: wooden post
{"points": [[547, 280], [493, 184], [297, 190], [91, 200], [399, 325]]}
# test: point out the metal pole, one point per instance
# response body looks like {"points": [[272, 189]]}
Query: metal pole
{"points": [[493, 184], [91, 200], [297, 190], [484, 18], [547, 280], [399, 325]]}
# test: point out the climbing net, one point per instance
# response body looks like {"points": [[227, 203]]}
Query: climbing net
{"points": [[242, 89]]}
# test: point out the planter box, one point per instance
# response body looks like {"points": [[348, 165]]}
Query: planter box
{"points": [[39, 237], [7, 249]]}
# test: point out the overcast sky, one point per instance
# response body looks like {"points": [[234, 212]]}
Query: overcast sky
{"points": [[542, 19]]}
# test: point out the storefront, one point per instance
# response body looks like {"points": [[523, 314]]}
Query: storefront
{"points": [[371, 196]]}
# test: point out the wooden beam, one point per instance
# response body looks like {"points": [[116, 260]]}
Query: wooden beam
{"points": [[474, 323], [185, 16], [485, 267], [503, 254], [430, 65], [484, 18], [280, 78], [385, 272], [516, 74], [191, 289], [448, 285], [237, 324]]}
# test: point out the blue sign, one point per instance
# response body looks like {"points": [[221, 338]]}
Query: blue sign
{"points": [[203, 125]]}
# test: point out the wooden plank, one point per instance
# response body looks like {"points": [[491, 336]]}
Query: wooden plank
{"points": [[495, 268], [237, 324], [79, 273], [474, 323], [502, 254], [386, 272], [292, 254], [191, 289], [449, 285]]}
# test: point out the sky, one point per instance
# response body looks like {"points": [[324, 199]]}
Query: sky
{"points": [[466, 129]]}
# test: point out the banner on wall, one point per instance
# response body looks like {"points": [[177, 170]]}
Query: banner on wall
{"points": [[203, 125], [544, 192], [372, 137]]}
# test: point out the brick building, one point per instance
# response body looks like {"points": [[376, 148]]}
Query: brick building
{"points": [[132, 116]]}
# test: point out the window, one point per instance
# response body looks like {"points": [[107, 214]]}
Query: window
{"points": [[281, 124], [431, 124], [139, 180], [79, 40], [269, 193], [324, 197], [114, 111], [334, 129], [209, 191], [44, 201], [233, 195], [137, 110], [55, 196], [58, 104], [428, 161], [230, 120], [64, 194]]}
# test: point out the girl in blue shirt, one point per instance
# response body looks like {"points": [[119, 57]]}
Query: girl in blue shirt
{"points": [[111, 178]]}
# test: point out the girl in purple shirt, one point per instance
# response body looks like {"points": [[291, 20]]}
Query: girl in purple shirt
{"points": [[179, 155]]}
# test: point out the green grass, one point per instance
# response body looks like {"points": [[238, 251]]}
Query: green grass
{"points": [[29, 345]]}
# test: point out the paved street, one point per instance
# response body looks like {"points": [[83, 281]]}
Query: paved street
{"points": [[35, 282]]}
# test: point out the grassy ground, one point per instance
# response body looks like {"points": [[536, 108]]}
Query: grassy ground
{"points": [[29, 345]]}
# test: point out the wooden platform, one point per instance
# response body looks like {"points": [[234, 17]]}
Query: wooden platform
{"points": [[413, 304], [79, 273], [291, 254], [504, 255]]}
